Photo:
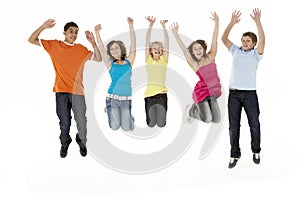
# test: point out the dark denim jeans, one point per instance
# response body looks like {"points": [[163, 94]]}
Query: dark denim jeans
{"points": [[64, 103], [156, 110], [248, 100]]}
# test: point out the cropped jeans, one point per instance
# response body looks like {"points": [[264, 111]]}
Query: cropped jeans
{"points": [[207, 110], [156, 110], [119, 114]]}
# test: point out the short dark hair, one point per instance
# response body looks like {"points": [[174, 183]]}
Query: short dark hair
{"points": [[251, 35], [69, 24], [202, 43], [122, 47]]}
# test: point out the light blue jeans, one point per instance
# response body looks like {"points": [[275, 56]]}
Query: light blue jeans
{"points": [[119, 114]]}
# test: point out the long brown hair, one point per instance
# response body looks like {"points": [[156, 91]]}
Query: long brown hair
{"points": [[122, 47], [202, 43]]}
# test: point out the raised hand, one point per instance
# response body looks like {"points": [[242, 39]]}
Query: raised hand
{"points": [[163, 22], [49, 23], [174, 27], [90, 36], [130, 21], [256, 14], [215, 17], [151, 19], [98, 28], [235, 18]]}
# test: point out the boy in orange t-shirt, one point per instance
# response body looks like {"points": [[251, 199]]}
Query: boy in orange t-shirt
{"points": [[68, 59]]}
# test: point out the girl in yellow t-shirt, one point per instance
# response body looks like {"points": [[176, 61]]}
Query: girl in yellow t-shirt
{"points": [[156, 57]]}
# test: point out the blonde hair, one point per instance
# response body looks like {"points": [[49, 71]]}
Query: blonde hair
{"points": [[156, 43]]}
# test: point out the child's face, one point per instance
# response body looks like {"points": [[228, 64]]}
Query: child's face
{"points": [[247, 43], [115, 51], [71, 34], [156, 50], [198, 51]]}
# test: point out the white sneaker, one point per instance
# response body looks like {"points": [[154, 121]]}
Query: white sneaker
{"points": [[186, 115]]}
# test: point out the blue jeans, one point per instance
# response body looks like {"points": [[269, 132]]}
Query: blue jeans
{"points": [[207, 110], [119, 114], [64, 103], [156, 110], [248, 100]]}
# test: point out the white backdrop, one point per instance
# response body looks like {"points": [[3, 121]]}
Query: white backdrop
{"points": [[30, 166]]}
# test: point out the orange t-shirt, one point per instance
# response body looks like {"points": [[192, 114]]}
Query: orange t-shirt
{"points": [[68, 61]]}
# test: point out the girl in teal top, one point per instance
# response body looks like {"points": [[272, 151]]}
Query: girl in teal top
{"points": [[119, 65]]}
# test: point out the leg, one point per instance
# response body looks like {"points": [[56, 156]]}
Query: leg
{"points": [[252, 110], [127, 120], [63, 111], [204, 111], [79, 110], [113, 113], [194, 113], [234, 114], [161, 109], [215, 110], [150, 111]]}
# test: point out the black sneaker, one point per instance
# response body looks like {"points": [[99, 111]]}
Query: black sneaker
{"points": [[83, 151], [256, 158], [232, 162], [63, 151]]}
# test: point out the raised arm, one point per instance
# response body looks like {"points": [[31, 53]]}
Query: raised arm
{"points": [[34, 38], [261, 35], [193, 64], [166, 36], [132, 52], [235, 18], [148, 36], [214, 44], [101, 47], [90, 37]]}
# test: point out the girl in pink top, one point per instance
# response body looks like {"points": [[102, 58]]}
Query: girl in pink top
{"points": [[208, 88]]}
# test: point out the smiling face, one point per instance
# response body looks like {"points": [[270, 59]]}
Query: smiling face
{"points": [[115, 51], [247, 43], [198, 51], [71, 34]]}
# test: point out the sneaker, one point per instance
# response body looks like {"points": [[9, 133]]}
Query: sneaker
{"points": [[83, 151], [256, 158], [63, 151], [232, 162], [186, 115]]}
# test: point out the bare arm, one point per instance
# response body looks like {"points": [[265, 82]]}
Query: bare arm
{"points": [[132, 53], [214, 44], [148, 36], [193, 64], [166, 36], [90, 37], [34, 38], [102, 48], [261, 35], [235, 18]]}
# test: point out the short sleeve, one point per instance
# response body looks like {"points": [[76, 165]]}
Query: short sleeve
{"points": [[233, 49]]}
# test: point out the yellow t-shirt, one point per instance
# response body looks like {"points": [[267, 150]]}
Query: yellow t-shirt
{"points": [[156, 75], [68, 63]]}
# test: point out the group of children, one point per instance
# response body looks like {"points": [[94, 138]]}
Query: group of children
{"points": [[69, 58]]}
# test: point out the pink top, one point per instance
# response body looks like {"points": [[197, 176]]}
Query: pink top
{"points": [[209, 83]]}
